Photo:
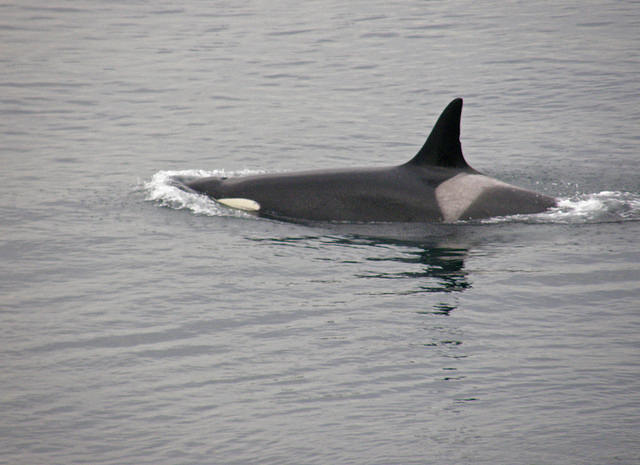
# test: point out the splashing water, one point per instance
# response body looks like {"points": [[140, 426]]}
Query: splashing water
{"points": [[601, 207], [167, 189]]}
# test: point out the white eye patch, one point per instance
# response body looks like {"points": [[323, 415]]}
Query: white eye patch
{"points": [[246, 205]]}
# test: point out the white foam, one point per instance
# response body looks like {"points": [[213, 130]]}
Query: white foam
{"points": [[601, 207], [605, 206], [164, 189]]}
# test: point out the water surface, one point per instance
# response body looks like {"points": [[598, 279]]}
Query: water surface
{"points": [[141, 324]]}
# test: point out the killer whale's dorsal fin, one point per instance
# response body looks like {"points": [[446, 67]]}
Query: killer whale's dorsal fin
{"points": [[442, 147]]}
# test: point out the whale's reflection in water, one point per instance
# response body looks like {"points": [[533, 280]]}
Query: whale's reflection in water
{"points": [[441, 269], [427, 262], [431, 268]]}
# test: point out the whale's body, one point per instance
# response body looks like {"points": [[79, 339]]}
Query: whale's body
{"points": [[436, 185]]}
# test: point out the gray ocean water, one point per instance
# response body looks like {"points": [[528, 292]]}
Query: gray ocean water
{"points": [[140, 324]]}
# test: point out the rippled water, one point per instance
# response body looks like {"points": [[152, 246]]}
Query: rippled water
{"points": [[143, 324]]}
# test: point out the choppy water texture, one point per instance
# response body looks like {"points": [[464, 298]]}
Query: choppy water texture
{"points": [[143, 324]]}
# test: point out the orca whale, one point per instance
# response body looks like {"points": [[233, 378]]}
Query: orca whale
{"points": [[436, 185]]}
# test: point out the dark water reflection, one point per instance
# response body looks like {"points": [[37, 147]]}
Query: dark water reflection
{"points": [[432, 267], [444, 264]]}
